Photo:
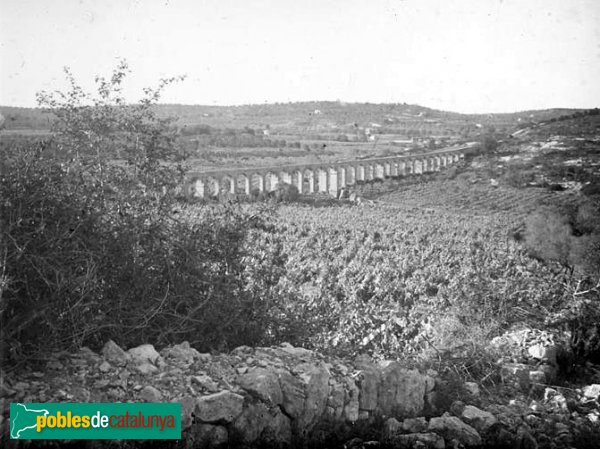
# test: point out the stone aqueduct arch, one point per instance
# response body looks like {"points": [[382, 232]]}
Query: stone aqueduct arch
{"points": [[323, 178]]}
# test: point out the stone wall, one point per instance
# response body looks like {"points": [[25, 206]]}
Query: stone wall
{"points": [[286, 396], [276, 396], [251, 397]]}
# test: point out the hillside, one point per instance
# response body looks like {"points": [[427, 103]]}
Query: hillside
{"points": [[307, 114]]}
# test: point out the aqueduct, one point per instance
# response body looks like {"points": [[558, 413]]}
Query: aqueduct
{"points": [[326, 177]]}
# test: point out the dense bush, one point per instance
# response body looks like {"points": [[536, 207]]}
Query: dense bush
{"points": [[286, 192], [518, 177], [592, 189], [551, 236], [548, 237], [92, 247]]}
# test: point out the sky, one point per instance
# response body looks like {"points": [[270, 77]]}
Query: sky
{"points": [[470, 56]]}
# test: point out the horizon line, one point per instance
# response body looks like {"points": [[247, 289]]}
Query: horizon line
{"points": [[340, 102]]}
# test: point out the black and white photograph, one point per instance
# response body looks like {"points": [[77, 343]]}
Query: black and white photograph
{"points": [[300, 224]]}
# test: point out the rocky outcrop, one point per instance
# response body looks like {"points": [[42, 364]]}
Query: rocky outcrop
{"points": [[289, 397], [529, 358], [252, 396]]}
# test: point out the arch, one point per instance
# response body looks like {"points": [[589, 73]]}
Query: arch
{"points": [[298, 180], [402, 168], [387, 169], [350, 175], [243, 183], [228, 184], [332, 181], [271, 181], [341, 175], [361, 173], [285, 177], [212, 186], [309, 178], [196, 188], [443, 161], [257, 181], [322, 181]]}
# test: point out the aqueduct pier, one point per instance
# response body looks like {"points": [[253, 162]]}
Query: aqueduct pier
{"points": [[322, 177]]}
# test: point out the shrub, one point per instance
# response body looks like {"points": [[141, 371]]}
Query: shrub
{"points": [[519, 177], [591, 189], [587, 218], [286, 192], [548, 237], [91, 248]]}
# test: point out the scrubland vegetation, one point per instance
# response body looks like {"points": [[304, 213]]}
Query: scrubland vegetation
{"points": [[97, 243]]}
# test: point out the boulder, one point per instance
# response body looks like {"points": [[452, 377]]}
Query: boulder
{"points": [[591, 391], [143, 354], [146, 368], [150, 394], [114, 354], [391, 427], [224, 406], [414, 425], [251, 422], [544, 353], [452, 428], [105, 367], [368, 384], [182, 352], [205, 382], [316, 380], [293, 394], [262, 383], [478, 419], [402, 391]]}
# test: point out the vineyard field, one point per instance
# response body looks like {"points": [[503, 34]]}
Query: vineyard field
{"points": [[432, 266]]}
